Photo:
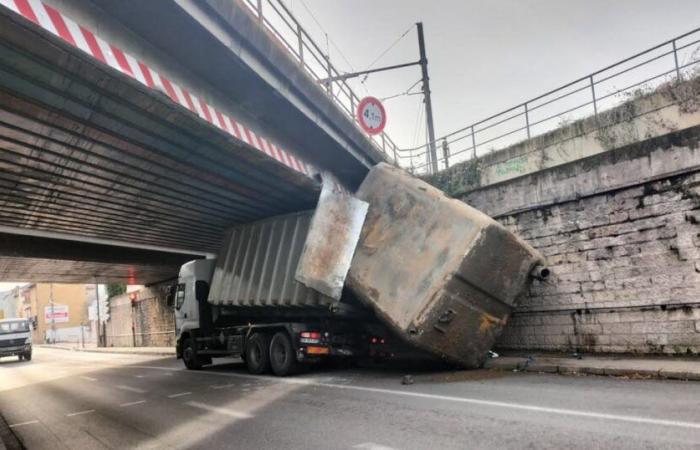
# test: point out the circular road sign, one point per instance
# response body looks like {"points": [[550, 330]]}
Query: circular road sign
{"points": [[371, 115]]}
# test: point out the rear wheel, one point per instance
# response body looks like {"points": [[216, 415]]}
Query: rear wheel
{"points": [[283, 359], [189, 356], [257, 357]]}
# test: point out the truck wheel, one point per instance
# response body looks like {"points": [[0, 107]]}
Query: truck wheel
{"points": [[28, 356], [189, 356], [257, 356], [283, 359]]}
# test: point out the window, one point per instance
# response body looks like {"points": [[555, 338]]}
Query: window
{"points": [[17, 326], [180, 296]]}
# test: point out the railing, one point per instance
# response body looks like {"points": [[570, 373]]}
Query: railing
{"points": [[673, 60], [279, 21]]}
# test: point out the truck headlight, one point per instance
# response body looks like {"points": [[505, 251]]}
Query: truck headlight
{"points": [[27, 341]]}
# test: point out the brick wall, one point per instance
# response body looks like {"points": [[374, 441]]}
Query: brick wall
{"points": [[625, 272], [152, 318]]}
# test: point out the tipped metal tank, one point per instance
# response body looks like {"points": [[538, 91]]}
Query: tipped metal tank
{"points": [[444, 275]]}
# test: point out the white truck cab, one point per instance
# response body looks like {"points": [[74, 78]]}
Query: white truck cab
{"points": [[192, 288], [16, 338]]}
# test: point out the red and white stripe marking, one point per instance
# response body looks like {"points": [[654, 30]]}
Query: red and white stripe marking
{"points": [[78, 36]]}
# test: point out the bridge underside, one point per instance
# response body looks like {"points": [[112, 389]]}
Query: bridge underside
{"points": [[88, 153]]}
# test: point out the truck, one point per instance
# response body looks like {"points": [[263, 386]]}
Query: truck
{"points": [[16, 338], [396, 264]]}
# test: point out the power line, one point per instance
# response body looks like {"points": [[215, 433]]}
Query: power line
{"points": [[387, 50]]}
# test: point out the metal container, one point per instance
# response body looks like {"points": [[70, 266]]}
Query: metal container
{"points": [[442, 274], [257, 264]]}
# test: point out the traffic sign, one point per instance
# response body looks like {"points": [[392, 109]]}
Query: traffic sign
{"points": [[371, 115]]}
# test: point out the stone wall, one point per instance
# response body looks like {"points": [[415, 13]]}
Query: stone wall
{"points": [[148, 321], [625, 272]]}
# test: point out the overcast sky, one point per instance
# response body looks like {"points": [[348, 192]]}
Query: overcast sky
{"points": [[485, 56]]}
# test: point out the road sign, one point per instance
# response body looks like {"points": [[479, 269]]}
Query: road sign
{"points": [[371, 115], [56, 314]]}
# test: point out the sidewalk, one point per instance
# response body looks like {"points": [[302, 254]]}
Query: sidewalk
{"points": [[664, 367], [162, 351]]}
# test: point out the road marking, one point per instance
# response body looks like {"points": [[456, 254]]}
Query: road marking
{"points": [[373, 446], [139, 376], [223, 411], [473, 401], [130, 389], [168, 374], [88, 378], [222, 386], [78, 413], [21, 424], [181, 394], [124, 405]]}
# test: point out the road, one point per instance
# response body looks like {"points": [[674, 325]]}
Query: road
{"points": [[76, 400]]}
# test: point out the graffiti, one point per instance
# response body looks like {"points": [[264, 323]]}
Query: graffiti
{"points": [[515, 165]]}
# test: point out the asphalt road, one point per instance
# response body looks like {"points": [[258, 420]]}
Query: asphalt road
{"points": [[65, 399]]}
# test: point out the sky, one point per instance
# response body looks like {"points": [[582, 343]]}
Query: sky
{"points": [[485, 56]]}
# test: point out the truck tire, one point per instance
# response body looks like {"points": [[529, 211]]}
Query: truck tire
{"points": [[189, 357], [257, 355], [283, 359], [28, 356]]}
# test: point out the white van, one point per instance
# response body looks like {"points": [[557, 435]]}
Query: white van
{"points": [[16, 338]]}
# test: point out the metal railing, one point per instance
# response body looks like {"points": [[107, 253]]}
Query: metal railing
{"points": [[670, 61], [281, 23]]}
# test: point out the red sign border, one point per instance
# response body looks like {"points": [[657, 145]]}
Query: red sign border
{"points": [[358, 112]]}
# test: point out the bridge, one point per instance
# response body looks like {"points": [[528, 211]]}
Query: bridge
{"points": [[127, 148]]}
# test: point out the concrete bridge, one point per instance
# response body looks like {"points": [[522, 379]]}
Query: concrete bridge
{"points": [[132, 133]]}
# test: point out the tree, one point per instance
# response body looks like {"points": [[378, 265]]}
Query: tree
{"points": [[114, 289]]}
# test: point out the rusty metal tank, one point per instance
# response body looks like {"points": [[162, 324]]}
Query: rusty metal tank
{"points": [[442, 274]]}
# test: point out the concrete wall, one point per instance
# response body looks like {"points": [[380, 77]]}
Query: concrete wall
{"points": [[620, 229], [151, 317]]}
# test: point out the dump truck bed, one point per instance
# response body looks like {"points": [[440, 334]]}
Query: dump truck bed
{"points": [[442, 274]]}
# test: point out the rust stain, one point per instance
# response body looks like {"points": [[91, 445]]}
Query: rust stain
{"points": [[487, 321]]}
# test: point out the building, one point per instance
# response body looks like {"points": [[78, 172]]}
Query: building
{"points": [[9, 301], [59, 311]]}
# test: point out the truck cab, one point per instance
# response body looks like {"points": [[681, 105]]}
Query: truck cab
{"points": [[16, 338], [190, 298]]}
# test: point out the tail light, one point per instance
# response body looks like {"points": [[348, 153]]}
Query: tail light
{"points": [[310, 337]]}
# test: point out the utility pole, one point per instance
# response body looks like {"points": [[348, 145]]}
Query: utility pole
{"points": [[423, 62], [99, 322], [426, 97], [53, 315]]}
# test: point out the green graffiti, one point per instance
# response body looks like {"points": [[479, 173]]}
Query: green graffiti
{"points": [[515, 165]]}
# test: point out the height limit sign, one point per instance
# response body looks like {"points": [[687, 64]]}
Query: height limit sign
{"points": [[371, 115]]}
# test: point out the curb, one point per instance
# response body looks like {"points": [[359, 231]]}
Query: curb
{"points": [[563, 369], [89, 350], [8, 440]]}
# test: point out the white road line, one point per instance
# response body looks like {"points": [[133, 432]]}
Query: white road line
{"points": [[78, 413], [124, 405], [130, 389], [473, 401], [88, 378], [222, 386], [139, 376], [218, 410], [181, 394], [21, 424], [373, 446]]}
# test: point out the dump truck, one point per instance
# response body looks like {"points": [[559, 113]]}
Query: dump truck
{"points": [[396, 263]]}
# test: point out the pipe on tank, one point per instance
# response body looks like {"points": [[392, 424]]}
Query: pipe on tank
{"points": [[540, 272]]}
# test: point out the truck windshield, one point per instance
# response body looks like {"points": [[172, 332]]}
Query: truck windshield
{"points": [[16, 326]]}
